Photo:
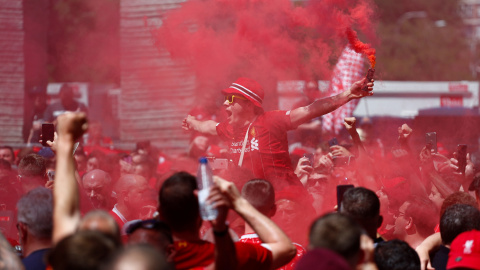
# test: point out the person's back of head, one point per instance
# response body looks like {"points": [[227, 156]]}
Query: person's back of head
{"points": [[178, 204], [363, 206], [339, 233], [261, 195], [152, 232], [35, 210], [320, 259], [457, 219], [32, 165], [458, 197], [101, 221], [140, 257], [424, 215], [145, 165], [396, 255], [83, 250]]}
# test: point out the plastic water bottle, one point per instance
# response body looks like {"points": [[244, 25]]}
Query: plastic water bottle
{"points": [[205, 181]]}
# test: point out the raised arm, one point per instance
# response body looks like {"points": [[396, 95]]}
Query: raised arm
{"points": [[225, 253], [428, 245], [325, 105], [66, 212], [209, 127], [8, 259], [280, 245]]}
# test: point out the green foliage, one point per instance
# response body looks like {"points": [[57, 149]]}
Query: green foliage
{"points": [[415, 48]]}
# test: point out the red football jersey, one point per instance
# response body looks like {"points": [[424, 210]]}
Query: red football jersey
{"points": [[252, 238], [200, 254], [266, 151]]}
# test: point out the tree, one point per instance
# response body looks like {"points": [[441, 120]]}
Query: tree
{"points": [[422, 41]]}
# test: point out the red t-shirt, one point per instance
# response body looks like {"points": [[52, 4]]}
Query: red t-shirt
{"points": [[266, 151], [253, 239], [202, 253]]}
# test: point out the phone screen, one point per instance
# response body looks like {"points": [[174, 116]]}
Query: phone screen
{"points": [[48, 131], [431, 141], [333, 142], [462, 157]]}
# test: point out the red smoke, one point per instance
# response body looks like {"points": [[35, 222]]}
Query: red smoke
{"points": [[360, 47], [268, 40]]}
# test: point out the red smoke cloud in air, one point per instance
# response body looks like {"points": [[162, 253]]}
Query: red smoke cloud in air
{"points": [[267, 40], [361, 47]]}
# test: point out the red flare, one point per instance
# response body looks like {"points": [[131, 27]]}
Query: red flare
{"points": [[361, 47]]}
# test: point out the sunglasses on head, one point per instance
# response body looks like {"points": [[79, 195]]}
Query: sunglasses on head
{"points": [[150, 224], [230, 98]]}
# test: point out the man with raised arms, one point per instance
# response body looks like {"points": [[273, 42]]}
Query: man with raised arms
{"points": [[257, 140]]}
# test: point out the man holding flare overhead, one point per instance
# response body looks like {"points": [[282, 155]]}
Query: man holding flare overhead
{"points": [[257, 140]]}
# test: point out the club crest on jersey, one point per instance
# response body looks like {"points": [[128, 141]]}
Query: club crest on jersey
{"points": [[253, 132]]}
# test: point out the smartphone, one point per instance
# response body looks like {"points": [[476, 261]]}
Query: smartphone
{"points": [[462, 158], [431, 141], [310, 157], [333, 142], [341, 189], [218, 163], [48, 131], [51, 175]]}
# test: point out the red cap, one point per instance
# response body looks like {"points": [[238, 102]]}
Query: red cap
{"points": [[247, 88], [465, 251]]}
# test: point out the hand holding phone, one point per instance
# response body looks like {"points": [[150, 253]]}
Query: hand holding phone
{"points": [[304, 166], [48, 133]]}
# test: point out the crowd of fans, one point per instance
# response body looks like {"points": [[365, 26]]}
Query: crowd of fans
{"points": [[358, 205]]}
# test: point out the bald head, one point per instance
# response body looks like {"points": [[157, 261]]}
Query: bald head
{"points": [[129, 181], [97, 185], [142, 257], [99, 220], [131, 190], [97, 175]]}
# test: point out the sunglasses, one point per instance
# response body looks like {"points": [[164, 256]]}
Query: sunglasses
{"points": [[230, 98], [150, 224]]}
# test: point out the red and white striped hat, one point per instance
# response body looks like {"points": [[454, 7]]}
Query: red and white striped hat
{"points": [[247, 88]]}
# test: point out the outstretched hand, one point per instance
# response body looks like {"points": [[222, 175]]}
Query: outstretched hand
{"points": [[218, 200], [340, 151], [52, 145], [186, 123], [228, 189], [404, 132], [356, 89], [349, 123]]}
